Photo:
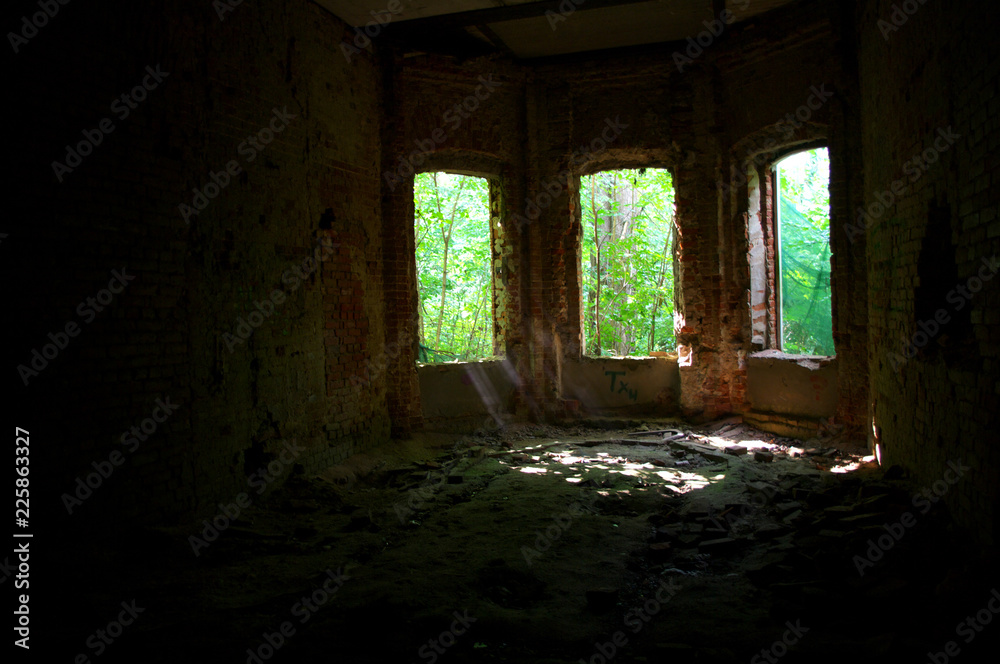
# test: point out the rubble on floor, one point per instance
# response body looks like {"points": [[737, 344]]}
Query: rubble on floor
{"points": [[588, 543]]}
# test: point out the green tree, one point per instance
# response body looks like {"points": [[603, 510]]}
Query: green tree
{"points": [[627, 219], [451, 238]]}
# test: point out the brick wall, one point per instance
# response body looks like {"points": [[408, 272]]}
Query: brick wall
{"points": [[700, 120], [935, 78], [449, 117], [790, 84]]}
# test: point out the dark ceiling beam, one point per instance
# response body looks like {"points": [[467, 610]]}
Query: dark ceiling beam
{"points": [[498, 15], [495, 39]]}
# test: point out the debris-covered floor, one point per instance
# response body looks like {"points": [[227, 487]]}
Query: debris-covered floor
{"points": [[624, 541]]}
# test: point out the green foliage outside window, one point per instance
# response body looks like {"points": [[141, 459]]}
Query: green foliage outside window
{"points": [[804, 213], [627, 220], [452, 241]]}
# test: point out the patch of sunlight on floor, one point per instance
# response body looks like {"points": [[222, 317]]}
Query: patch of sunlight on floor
{"points": [[851, 466]]}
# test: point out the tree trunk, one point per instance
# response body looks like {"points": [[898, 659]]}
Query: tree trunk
{"points": [[659, 285], [475, 323], [446, 238], [597, 251]]}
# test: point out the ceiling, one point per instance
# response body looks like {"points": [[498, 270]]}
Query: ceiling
{"points": [[538, 28]]}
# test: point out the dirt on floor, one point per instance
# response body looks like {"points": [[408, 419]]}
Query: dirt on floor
{"points": [[609, 541]]}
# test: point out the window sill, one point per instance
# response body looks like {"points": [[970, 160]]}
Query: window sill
{"points": [[807, 361]]}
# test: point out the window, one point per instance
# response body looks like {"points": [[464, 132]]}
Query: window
{"points": [[802, 209], [627, 226], [451, 215]]}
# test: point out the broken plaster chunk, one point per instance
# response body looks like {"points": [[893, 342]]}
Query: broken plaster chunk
{"points": [[863, 519], [672, 530], [770, 531], [721, 543], [793, 517], [788, 507], [832, 534]]}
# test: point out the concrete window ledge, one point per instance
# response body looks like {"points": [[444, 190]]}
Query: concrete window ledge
{"points": [[789, 394], [807, 361]]}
